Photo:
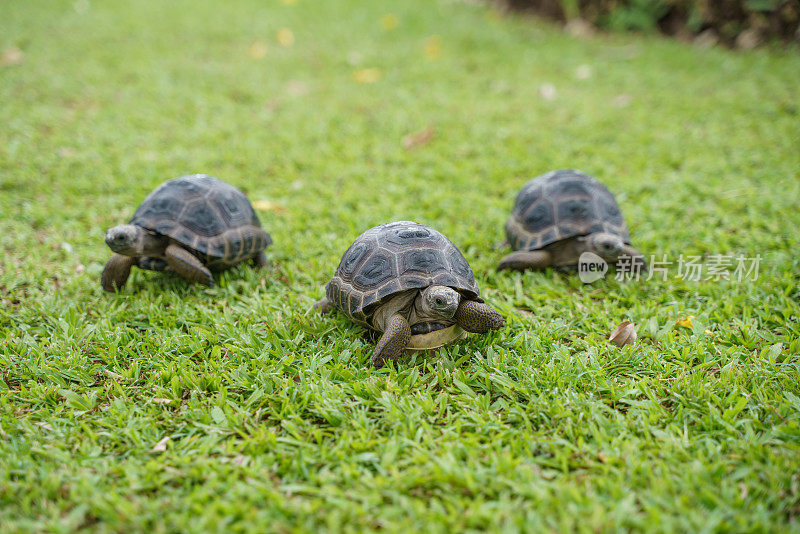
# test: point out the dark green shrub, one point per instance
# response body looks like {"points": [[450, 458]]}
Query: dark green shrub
{"points": [[726, 20]]}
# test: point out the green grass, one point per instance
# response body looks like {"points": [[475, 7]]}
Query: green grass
{"points": [[272, 414]]}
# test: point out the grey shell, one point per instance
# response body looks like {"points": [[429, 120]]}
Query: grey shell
{"points": [[395, 257], [208, 216], [560, 205]]}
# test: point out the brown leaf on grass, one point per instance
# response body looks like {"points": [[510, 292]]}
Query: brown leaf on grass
{"points": [[686, 322], [160, 400], [268, 205], [419, 139], [161, 446], [46, 426], [12, 56], [624, 334]]}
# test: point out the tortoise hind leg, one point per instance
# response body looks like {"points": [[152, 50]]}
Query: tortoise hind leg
{"points": [[526, 259], [187, 265], [477, 317], [260, 260], [323, 305], [116, 272], [393, 341]]}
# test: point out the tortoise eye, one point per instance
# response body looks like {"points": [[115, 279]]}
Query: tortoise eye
{"points": [[439, 301]]}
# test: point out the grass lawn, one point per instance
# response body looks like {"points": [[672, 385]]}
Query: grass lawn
{"points": [[170, 407]]}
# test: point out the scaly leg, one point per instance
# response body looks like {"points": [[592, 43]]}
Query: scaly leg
{"points": [[638, 258], [188, 266], [116, 272], [526, 259], [260, 260], [477, 317], [323, 305], [393, 341]]}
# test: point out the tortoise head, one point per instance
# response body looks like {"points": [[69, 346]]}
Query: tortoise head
{"points": [[439, 302], [608, 246], [126, 239]]}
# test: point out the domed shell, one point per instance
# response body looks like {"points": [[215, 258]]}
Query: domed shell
{"points": [[560, 205], [394, 257], [205, 214]]}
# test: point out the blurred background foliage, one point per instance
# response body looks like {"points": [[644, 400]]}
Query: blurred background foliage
{"points": [[739, 23]]}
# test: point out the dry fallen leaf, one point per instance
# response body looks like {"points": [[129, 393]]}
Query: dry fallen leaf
{"points": [[367, 75], [547, 91], [161, 446], [624, 334], [268, 205], [686, 322], [284, 36], [160, 400], [433, 48], [12, 56], [418, 139], [46, 426], [389, 21], [257, 50]]}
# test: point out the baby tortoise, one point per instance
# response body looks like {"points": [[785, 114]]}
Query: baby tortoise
{"points": [[560, 215], [191, 225], [410, 282]]}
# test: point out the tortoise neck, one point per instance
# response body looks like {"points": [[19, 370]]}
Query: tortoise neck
{"points": [[153, 244]]}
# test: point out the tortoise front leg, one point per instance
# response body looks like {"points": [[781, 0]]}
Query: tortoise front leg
{"points": [[188, 266], [637, 257], [526, 259], [116, 272], [393, 341], [477, 317]]}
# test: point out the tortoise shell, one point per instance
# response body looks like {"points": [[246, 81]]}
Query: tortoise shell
{"points": [[560, 205], [208, 216], [394, 257]]}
